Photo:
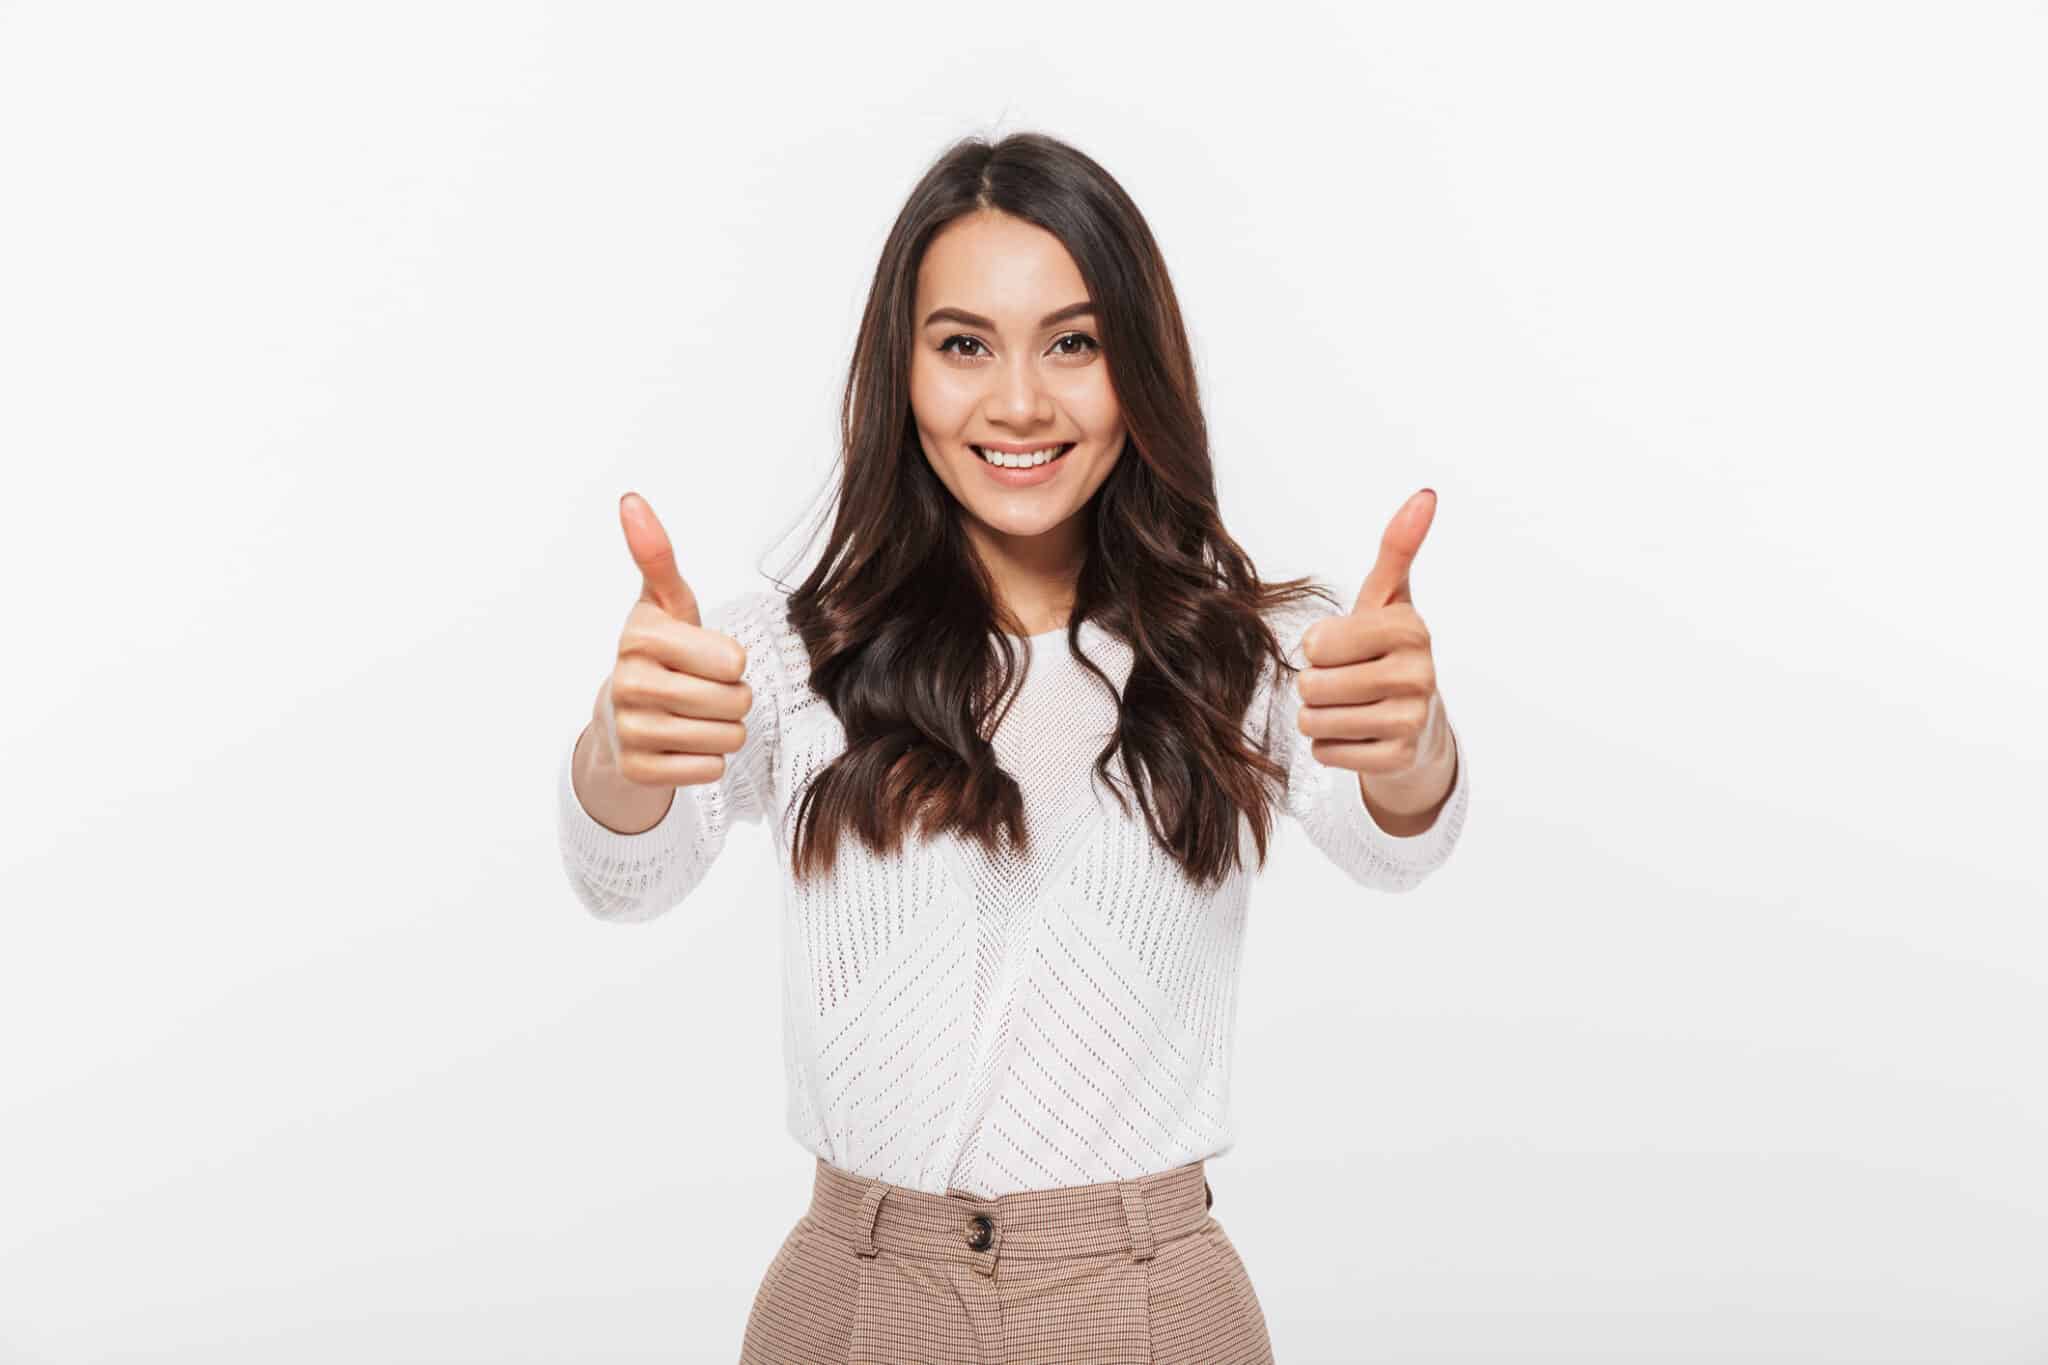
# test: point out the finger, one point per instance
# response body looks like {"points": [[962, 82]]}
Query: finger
{"points": [[664, 675], [1392, 718], [1365, 756], [1388, 581], [1402, 673], [673, 770], [658, 732], [1363, 636], [660, 581]]}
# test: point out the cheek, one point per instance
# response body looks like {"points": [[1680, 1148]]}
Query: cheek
{"points": [[1095, 407], [1106, 466], [940, 401], [920, 392]]}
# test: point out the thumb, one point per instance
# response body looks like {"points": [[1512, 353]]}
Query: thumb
{"points": [[1388, 581], [660, 583]]}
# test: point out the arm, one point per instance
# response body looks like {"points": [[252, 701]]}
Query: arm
{"points": [[654, 845]]}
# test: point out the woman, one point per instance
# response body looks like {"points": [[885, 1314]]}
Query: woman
{"points": [[1055, 708]]}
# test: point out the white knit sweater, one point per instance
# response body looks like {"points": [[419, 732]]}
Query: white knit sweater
{"points": [[953, 1021]]}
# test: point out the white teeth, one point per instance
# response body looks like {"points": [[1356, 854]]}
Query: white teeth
{"points": [[1023, 460]]}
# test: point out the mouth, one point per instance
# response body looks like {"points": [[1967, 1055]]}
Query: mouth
{"points": [[1001, 459]]}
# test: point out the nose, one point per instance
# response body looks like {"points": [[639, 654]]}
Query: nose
{"points": [[1020, 400]]}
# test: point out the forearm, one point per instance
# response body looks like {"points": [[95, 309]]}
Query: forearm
{"points": [[620, 805]]}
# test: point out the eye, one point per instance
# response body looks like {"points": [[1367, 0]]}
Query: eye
{"points": [[1088, 344]]}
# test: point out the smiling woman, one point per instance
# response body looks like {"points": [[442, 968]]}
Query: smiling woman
{"points": [[1020, 739]]}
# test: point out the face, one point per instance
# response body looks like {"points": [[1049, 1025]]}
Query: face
{"points": [[1005, 362]]}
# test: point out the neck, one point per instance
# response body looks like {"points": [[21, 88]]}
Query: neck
{"points": [[1035, 576]]}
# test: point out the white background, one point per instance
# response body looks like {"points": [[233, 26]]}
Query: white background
{"points": [[330, 336]]}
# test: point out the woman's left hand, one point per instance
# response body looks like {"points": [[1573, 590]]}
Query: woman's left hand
{"points": [[1369, 698]]}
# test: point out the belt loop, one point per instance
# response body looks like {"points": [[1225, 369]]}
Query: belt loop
{"points": [[864, 1230], [1135, 1221]]}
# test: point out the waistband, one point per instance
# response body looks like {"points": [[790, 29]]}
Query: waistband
{"points": [[1077, 1220]]}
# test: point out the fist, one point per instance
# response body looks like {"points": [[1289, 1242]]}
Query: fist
{"points": [[676, 700], [1369, 698]]}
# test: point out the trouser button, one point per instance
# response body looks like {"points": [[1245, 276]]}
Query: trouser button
{"points": [[980, 1232]]}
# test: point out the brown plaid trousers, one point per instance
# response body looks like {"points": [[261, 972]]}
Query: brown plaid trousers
{"points": [[1127, 1272]]}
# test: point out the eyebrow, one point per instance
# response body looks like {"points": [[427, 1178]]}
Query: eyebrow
{"points": [[1085, 307]]}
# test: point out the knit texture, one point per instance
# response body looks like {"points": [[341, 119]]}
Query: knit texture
{"points": [[955, 1019]]}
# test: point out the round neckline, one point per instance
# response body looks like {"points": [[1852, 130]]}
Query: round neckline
{"points": [[1046, 634]]}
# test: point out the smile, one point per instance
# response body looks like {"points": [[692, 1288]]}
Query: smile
{"points": [[1002, 459]]}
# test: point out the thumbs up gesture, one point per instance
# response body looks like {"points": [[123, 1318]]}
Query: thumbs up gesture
{"points": [[675, 701], [1369, 698]]}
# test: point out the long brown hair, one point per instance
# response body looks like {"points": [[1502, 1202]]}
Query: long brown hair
{"points": [[900, 616]]}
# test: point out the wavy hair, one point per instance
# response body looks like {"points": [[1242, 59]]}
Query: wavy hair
{"points": [[900, 617]]}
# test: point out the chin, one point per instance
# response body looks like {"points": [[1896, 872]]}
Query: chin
{"points": [[998, 519]]}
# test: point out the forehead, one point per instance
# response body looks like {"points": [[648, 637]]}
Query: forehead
{"points": [[998, 266]]}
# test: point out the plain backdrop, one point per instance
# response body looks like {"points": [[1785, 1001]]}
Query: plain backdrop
{"points": [[330, 336]]}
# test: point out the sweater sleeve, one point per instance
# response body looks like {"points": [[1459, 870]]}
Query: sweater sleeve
{"points": [[1327, 801], [627, 877]]}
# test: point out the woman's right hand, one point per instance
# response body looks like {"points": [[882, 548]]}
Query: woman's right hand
{"points": [[676, 700]]}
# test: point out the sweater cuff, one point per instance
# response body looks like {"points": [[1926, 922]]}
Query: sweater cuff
{"points": [[610, 865], [1414, 854]]}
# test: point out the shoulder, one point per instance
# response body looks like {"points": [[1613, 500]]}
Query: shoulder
{"points": [[1291, 620], [757, 620], [1276, 693], [758, 608], [776, 658]]}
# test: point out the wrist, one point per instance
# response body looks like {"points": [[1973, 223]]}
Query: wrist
{"points": [[1418, 791]]}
